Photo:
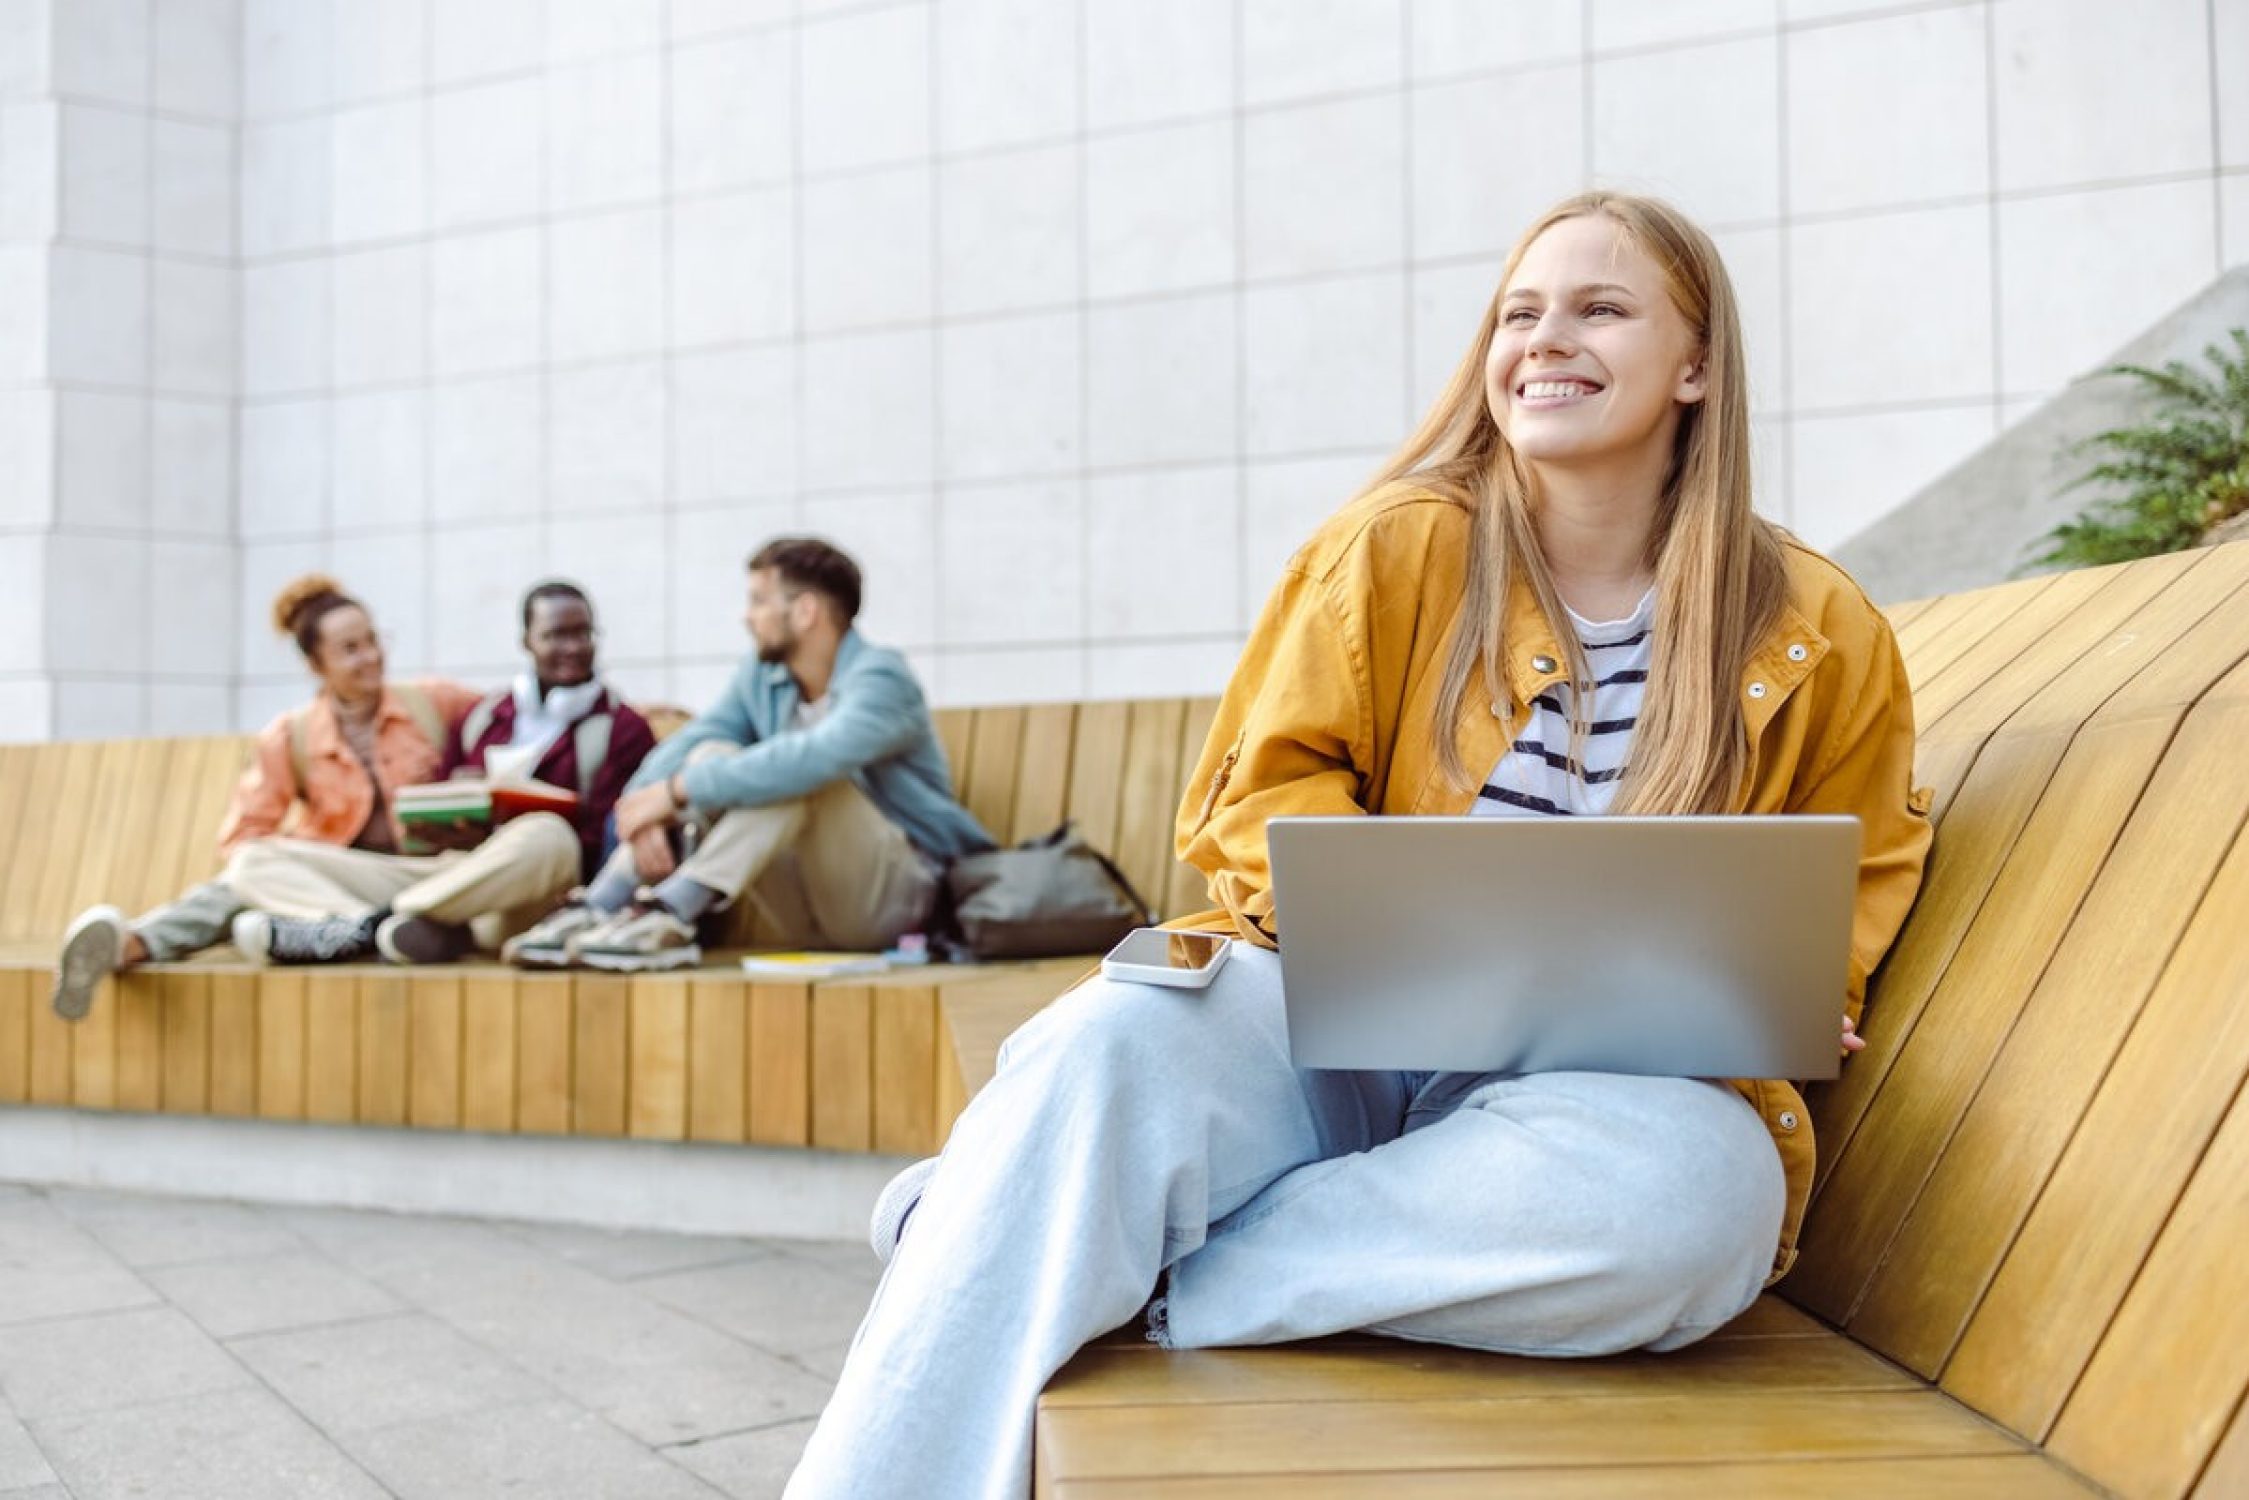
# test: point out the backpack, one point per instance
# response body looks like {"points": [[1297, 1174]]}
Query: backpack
{"points": [[418, 707], [1050, 897], [589, 736]]}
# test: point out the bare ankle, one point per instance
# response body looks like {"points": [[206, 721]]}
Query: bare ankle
{"points": [[133, 952]]}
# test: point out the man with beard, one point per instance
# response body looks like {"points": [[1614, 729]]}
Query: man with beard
{"points": [[815, 784]]}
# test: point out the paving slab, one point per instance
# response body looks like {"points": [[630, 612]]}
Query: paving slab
{"points": [[747, 1465], [259, 1294], [277, 1351], [242, 1445], [436, 1263], [824, 1361], [789, 1305], [547, 1448], [628, 1255], [380, 1372], [22, 1465], [144, 1231], [110, 1360], [661, 1376], [50, 1268]]}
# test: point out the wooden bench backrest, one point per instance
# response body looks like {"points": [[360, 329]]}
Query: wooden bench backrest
{"points": [[128, 821], [2035, 1180], [132, 821]]}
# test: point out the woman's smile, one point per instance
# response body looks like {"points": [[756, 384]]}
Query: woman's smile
{"points": [[1547, 392]]}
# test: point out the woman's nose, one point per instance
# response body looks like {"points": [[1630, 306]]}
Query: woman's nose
{"points": [[1550, 335]]}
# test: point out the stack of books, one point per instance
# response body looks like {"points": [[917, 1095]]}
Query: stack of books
{"points": [[476, 799]]}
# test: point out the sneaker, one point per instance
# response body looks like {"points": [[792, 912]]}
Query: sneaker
{"points": [[547, 944], [418, 940], [92, 950], [299, 940], [638, 940], [896, 1205]]}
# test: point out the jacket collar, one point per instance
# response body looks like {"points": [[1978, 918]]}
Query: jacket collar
{"points": [[776, 679], [324, 727], [1790, 648]]}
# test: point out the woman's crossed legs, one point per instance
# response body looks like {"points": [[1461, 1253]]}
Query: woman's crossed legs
{"points": [[1132, 1128]]}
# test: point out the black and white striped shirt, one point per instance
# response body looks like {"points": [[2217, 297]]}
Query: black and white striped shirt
{"points": [[1535, 776]]}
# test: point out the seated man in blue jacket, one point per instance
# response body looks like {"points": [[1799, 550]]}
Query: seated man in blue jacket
{"points": [[815, 783]]}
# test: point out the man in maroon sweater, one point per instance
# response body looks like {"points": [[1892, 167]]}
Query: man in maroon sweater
{"points": [[577, 733]]}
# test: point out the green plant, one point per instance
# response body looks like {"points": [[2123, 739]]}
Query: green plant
{"points": [[2177, 474]]}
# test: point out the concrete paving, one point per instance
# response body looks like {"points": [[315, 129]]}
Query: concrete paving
{"points": [[182, 1348]]}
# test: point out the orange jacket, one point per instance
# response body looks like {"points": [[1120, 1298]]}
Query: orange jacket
{"points": [[337, 797], [1330, 711]]}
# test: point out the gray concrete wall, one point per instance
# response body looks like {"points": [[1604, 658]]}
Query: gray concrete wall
{"points": [[1981, 521]]}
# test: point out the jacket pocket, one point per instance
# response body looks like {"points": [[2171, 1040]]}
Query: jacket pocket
{"points": [[1218, 780]]}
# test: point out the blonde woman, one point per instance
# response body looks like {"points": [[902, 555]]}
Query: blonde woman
{"points": [[1554, 598], [311, 839]]}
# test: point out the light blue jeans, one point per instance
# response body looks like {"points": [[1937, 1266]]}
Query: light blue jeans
{"points": [[1132, 1128]]}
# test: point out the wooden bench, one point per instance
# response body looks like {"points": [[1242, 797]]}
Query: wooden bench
{"points": [[2022, 1272], [706, 1056], [2026, 1269]]}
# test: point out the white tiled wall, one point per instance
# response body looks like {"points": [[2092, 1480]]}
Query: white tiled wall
{"points": [[120, 323], [1069, 317]]}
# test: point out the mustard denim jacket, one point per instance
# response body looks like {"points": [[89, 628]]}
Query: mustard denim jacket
{"points": [[1330, 711]]}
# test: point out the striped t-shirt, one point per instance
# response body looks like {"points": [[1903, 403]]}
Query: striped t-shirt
{"points": [[1535, 776]]}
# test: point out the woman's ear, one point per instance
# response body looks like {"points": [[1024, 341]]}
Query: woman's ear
{"points": [[1694, 381]]}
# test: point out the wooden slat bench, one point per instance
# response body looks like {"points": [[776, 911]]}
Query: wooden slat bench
{"points": [[2023, 1271], [706, 1056], [2026, 1269]]}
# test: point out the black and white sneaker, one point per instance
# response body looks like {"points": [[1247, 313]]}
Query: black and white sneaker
{"points": [[298, 940], [418, 940]]}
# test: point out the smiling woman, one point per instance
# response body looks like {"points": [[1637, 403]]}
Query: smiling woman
{"points": [[1579, 494]]}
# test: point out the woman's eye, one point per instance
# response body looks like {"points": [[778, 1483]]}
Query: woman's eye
{"points": [[1521, 317], [1605, 307]]}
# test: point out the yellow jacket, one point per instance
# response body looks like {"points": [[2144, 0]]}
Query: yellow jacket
{"points": [[1331, 711]]}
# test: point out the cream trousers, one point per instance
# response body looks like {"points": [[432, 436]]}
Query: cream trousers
{"points": [[823, 870], [503, 884]]}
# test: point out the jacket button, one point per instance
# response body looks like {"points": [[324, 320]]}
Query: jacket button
{"points": [[1757, 690], [1788, 1119], [1797, 653], [1542, 663]]}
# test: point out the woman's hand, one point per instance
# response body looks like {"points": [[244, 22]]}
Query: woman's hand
{"points": [[1852, 1041]]}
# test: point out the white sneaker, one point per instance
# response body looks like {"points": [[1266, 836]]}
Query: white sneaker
{"points": [[896, 1205], [638, 941], [92, 950], [252, 934], [546, 944]]}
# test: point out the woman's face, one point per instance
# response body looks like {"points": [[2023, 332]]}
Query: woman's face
{"points": [[350, 655], [1591, 362]]}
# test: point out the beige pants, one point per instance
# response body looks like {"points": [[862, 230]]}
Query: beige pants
{"points": [[823, 870], [501, 886]]}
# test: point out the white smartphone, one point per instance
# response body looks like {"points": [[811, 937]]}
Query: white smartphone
{"points": [[1184, 960]]}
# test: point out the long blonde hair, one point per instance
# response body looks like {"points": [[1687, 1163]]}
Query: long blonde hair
{"points": [[1720, 577]]}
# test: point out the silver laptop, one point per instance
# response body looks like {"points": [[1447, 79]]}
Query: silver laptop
{"points": [[1690, 947]]}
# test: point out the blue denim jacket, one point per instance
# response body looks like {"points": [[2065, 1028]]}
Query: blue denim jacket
{"points": [[876, 731]]}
